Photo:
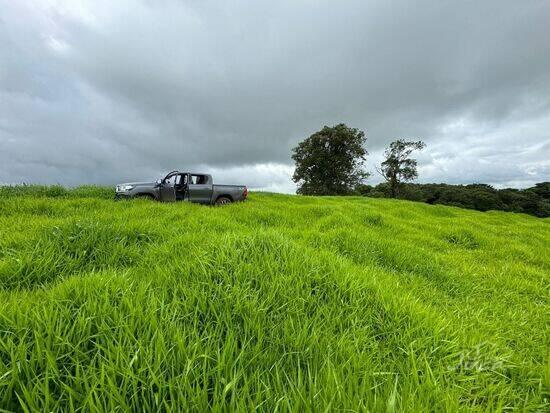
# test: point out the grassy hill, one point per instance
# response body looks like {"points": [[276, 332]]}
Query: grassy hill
{"points": [[280, 303]]}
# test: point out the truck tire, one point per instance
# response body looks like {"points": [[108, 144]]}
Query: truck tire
{"points": [[223, 200]]}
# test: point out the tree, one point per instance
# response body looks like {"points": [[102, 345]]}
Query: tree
{"points": [[542, 189], [398, 167], [330, 162]]}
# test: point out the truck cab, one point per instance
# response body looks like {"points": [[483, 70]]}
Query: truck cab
{"points": [[185, 186], [198, 188]]}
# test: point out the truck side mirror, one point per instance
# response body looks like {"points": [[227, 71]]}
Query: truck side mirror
{"points": [[159, 182]]}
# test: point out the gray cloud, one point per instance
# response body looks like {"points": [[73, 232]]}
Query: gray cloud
{"points": [[125, 90]]}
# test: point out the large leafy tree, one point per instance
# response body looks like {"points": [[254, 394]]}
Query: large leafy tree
{"points": [[398, 166], [330, 162]]}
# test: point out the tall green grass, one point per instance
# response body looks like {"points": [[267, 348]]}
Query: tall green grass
{"points": [[280, 303]]}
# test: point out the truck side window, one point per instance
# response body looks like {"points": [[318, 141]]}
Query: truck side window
{"points": [[198, 179]]}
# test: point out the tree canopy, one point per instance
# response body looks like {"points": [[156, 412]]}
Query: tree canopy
{"points": [[331, 161], [398, 167]]}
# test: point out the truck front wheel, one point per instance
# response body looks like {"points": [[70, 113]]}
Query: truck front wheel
{"points": [[223, 200]]}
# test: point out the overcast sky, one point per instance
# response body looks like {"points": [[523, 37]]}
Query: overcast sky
{"points": [[114, 91]]}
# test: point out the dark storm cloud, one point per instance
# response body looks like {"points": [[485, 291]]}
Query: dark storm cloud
{"points": [[124, 90]]}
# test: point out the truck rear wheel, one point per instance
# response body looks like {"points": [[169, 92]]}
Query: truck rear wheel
{"points": [[223, 200]]}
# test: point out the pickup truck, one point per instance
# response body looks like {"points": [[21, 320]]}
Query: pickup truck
{"points": [[183, 186]]}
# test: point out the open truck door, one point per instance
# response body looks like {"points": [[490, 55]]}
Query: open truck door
{"points": [[167, 187]]}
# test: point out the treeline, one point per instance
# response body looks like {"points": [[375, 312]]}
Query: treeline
{"points": [[482, 197], [331, 162]]}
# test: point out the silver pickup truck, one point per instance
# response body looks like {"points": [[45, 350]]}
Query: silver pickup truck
{"points": [[183, 186]]}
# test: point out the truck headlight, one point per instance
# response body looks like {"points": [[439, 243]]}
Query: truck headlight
{"points": [[124, 188]]}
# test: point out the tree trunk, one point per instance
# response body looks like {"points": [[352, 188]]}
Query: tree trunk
{"points": [[393, 186]]}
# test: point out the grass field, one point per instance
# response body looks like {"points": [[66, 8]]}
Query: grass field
{"points": [[280, 303]]}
